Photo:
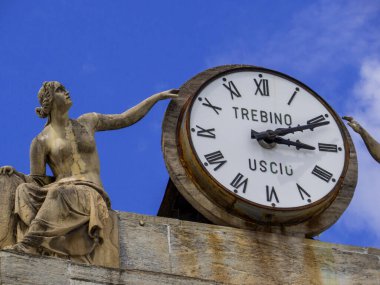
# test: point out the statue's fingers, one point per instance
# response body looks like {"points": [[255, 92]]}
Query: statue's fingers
{"points": [[169, 91], [167, 95], [348, 118], [174, 91]]}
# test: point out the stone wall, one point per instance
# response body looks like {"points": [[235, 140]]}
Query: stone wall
{"points": [[158, 250]]}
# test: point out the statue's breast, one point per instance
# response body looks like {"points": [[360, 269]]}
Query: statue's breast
{"points": [[60, 149], [84, 139]]}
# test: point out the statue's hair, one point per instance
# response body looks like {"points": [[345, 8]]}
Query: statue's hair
{"points": [[45, 97]]}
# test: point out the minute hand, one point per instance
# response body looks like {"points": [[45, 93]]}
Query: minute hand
{"points": [[285, 131]]}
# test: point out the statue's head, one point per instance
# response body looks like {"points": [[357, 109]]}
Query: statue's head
{"points": [[49, 92]]}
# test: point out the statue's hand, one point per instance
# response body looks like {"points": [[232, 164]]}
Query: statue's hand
{"points": [[172, 93], [353, 124], [7, 170]]}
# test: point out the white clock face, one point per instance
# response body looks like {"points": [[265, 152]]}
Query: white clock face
{"points": [[228, 109]]}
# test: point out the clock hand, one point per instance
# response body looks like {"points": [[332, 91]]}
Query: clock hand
{"points": [[268, 135], [284, 131], [271, 135], [297, 143]]}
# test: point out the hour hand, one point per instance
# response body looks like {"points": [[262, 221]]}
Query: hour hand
{"points": [[268, 135], [296, 143]]}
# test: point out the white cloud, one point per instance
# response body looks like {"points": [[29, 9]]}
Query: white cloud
{"points": [[325, 34], [365, 108], [367, 93]]}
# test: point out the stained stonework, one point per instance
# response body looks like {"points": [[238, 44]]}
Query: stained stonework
{"points": [[157, 250]]}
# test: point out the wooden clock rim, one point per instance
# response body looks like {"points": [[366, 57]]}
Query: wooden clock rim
{"points": [[189, 189], [189, 106]]}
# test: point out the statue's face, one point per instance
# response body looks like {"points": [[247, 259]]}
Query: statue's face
{"points": [[62, 99]]}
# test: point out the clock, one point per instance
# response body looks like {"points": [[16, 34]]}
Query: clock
{"points": [[254, 148]]}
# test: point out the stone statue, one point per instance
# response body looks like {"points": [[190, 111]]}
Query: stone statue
{"points": [[64, 215], [372, 145]]}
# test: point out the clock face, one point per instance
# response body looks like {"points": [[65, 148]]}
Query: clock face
{"points": [[274, 174]]}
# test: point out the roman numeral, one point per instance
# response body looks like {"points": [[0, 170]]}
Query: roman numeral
{"points": [[238, 182], [303, 192], [262, 86], [327, 147], [272, 194], [215, 158], [318, 119], [321, 173], [215, 108], [207, 133], [232, 88], [294, 94]]}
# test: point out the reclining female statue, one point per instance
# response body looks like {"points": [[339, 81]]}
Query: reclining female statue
{"points": [[64, 215]]}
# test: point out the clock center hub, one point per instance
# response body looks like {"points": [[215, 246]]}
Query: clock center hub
{"points": [[268, 141], [268, 144]]}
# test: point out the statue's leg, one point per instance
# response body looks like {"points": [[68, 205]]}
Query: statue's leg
{"points": [[69, 222], [8, 186], [28, 201]]}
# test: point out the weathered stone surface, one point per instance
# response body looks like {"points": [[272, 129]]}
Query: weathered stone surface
{"points": [[29, 269], [35, 270], [7, 202], [234, 256], [150, 247], [158, 250]]}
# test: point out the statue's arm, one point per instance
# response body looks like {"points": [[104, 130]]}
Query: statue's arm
{"points": [[103, 122], [37, 166], [372, 145], [38, 162]]}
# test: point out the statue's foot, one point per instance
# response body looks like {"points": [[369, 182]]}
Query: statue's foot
{"points": [[21, 247]]}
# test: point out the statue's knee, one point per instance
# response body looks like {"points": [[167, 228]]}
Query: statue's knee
{"points": [[23, 190], [64, 189], [59, 192], [54, 192]]}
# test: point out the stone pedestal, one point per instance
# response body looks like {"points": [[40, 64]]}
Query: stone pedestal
{"points": [[157, 250]]}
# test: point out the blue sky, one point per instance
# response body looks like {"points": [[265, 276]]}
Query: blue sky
{"points": [[112, 54]]}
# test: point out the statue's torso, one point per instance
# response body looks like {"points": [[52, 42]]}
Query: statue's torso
{"points": [[71, 153]]}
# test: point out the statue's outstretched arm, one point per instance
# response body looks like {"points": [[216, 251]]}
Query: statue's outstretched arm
{"points": [[102, 122], [372, 145]]}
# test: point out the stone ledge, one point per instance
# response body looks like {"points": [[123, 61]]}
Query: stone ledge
{"points": [[237, 256], [17, 268], [156, 250]]}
